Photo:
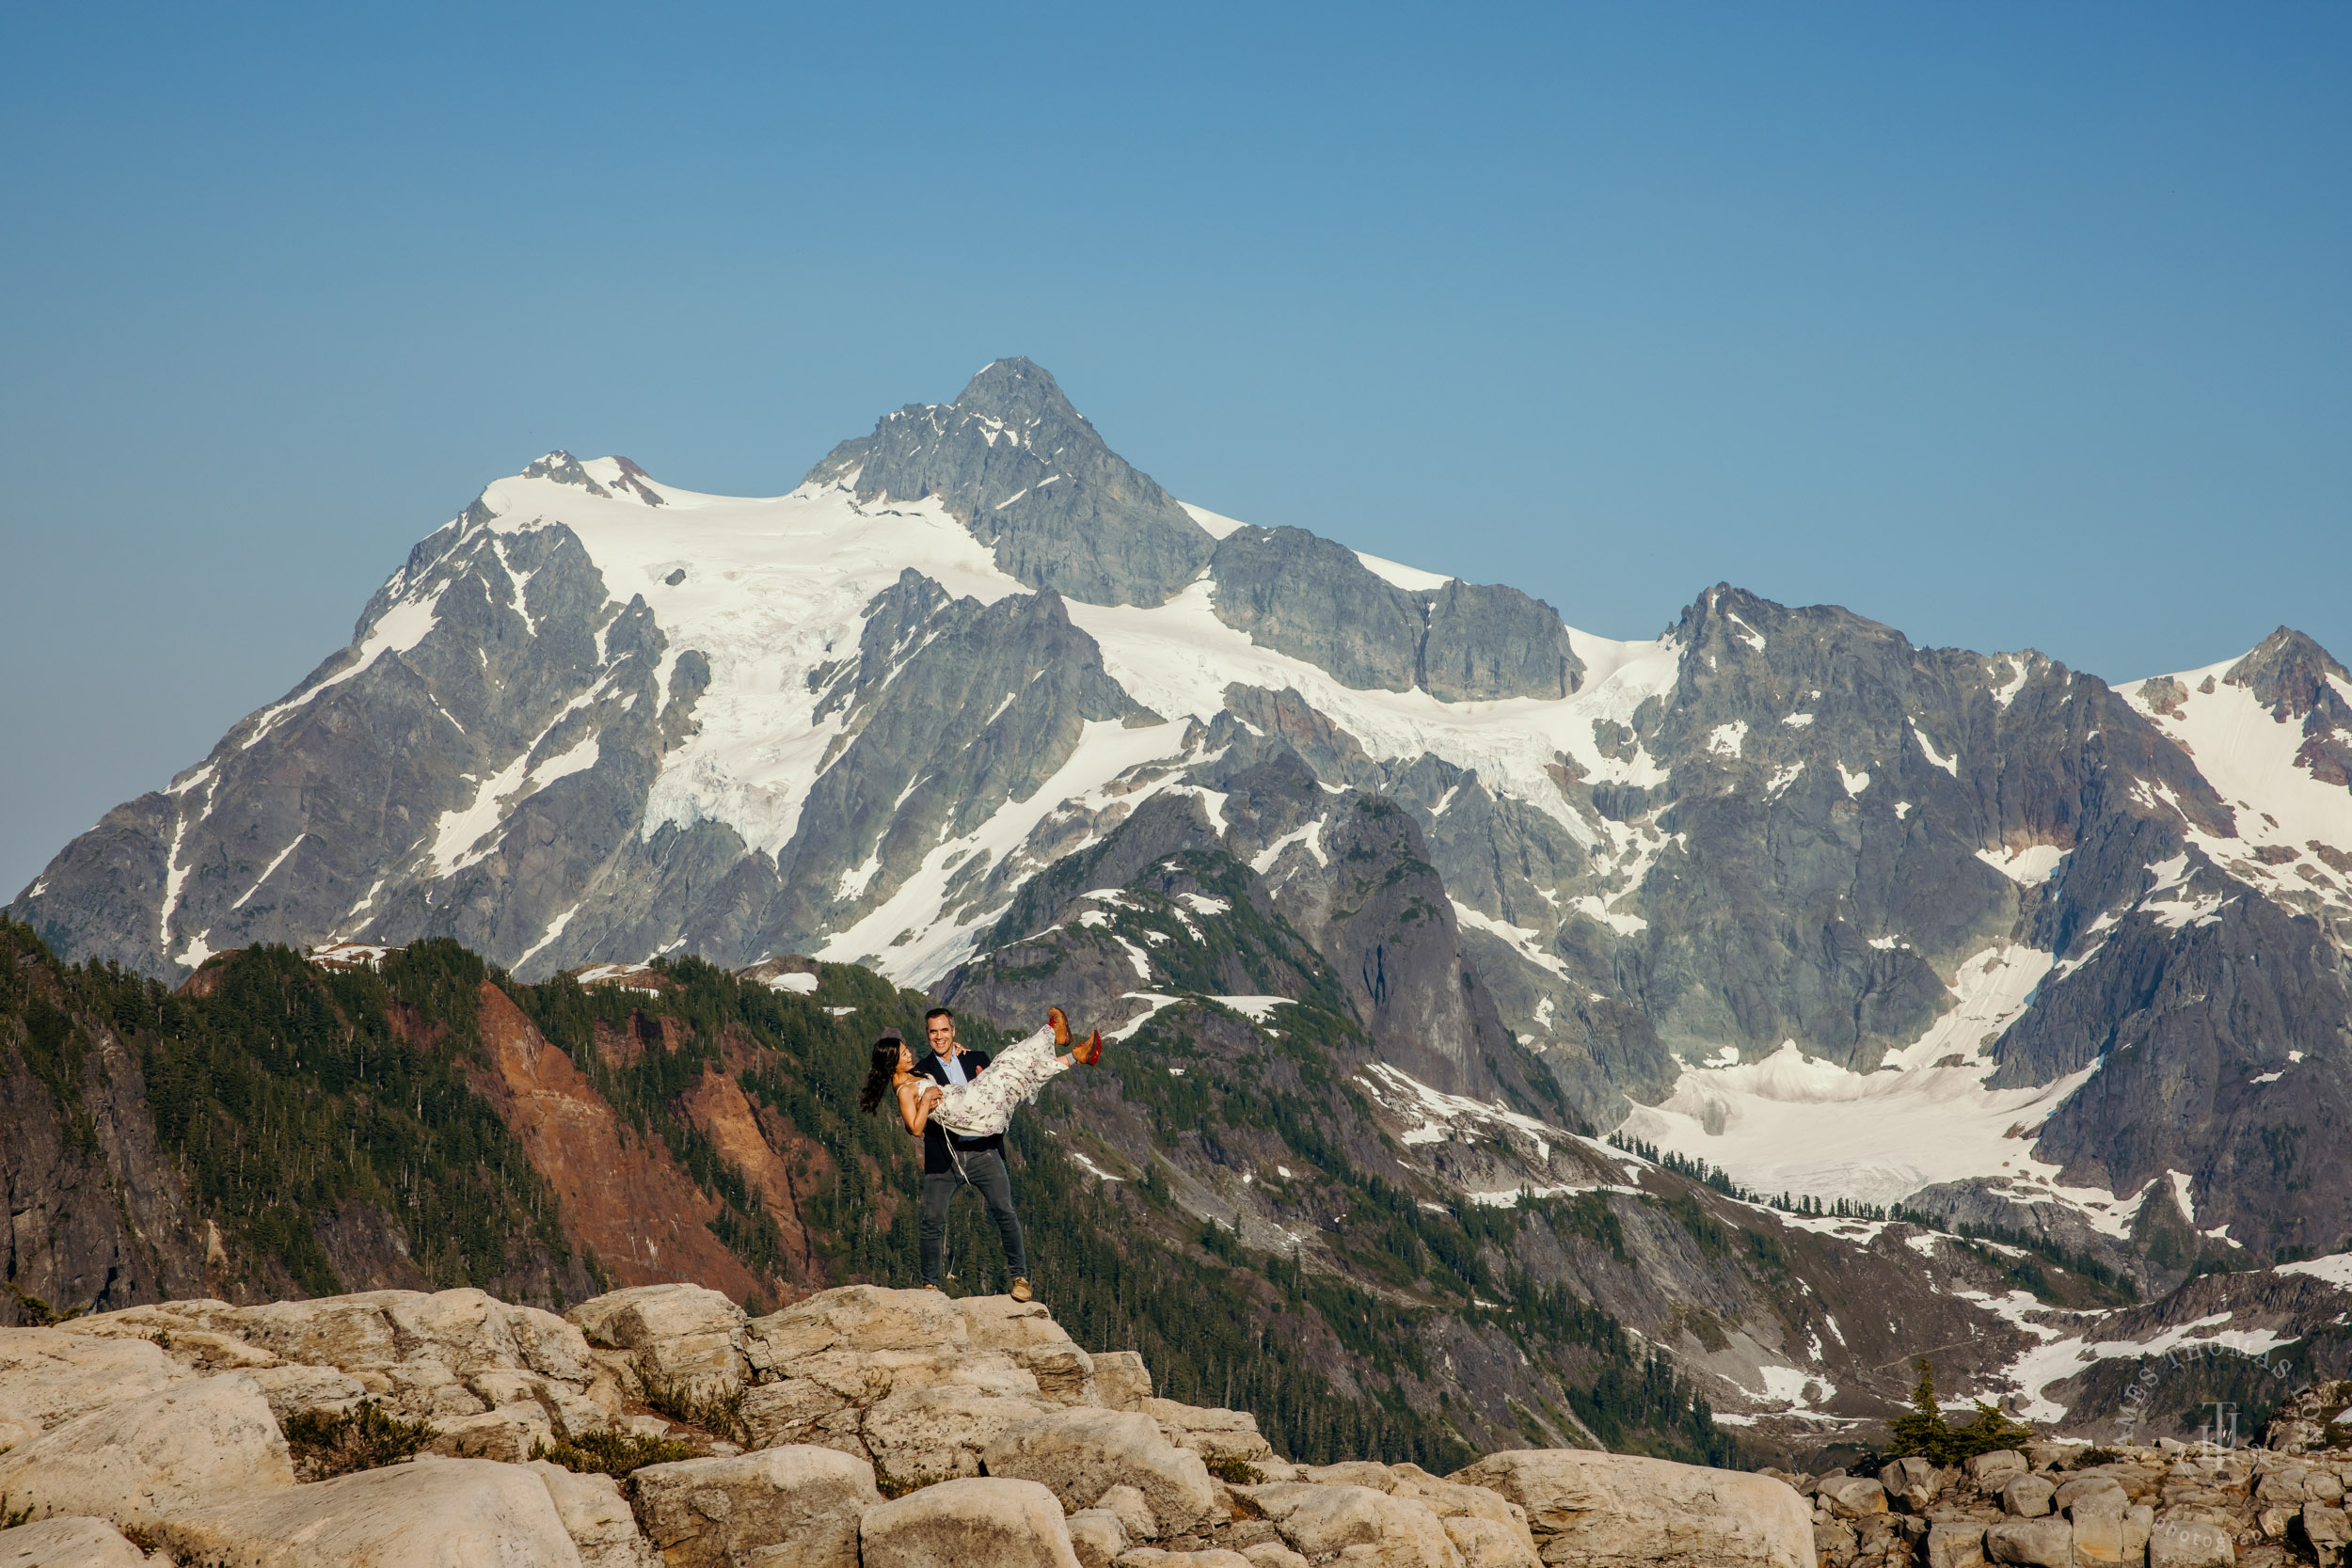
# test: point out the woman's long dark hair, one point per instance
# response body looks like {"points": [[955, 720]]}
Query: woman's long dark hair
{"points": [[878, 1076]]}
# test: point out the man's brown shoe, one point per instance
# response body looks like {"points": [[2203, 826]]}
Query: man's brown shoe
{"points": [[1061, 1022], [1020, 1290]]}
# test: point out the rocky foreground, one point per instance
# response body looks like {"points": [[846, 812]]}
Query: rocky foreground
{"points": [[892, 1429], [901, 1428], [2064, 1504]]}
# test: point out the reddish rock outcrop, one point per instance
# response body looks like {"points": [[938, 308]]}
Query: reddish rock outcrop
{"points": [[623, 1194], [726, 1115]]}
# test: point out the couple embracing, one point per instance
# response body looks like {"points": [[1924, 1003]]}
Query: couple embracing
{"points": [[958, 1102]]}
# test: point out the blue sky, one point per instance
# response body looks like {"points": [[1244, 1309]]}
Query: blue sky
{"points": [[2006, 324]]}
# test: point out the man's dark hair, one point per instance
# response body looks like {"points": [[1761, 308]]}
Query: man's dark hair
{"points": [[938, 1012]]}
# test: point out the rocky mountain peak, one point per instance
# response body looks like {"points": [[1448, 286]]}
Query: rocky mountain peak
{"points": [[1020, 391], [1013, 462], [1729, 613], [2288, 674], [559, 466], [602, 476]]}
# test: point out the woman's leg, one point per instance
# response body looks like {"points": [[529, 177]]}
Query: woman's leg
{"points": [[986, 1105]]}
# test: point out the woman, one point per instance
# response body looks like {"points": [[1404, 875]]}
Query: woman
{"points": [[986, 1104]]}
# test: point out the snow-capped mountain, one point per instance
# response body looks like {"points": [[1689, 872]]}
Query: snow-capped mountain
{"points": [[1775, 889]]}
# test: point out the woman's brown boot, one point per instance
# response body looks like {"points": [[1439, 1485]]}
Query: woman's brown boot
{"points": [[1092, 1051], [1060, 1024]]}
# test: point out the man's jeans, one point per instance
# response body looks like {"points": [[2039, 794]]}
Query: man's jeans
{"points": [[986, 1171]]}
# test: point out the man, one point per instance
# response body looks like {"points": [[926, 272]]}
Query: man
{"points": [[950, 1162]]}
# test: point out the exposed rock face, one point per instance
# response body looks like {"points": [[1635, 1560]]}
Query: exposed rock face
{"points": [[1611, 1509], [490, 657], [915, 1382], [55, 1543], [953, 708], [1214, 1434], [147, 1460], [1323, 1522], [409, 1516], [1027, 474], [53, 1376], [859, 1319], [99, 1215], [689, 1334], [562, 467], [1847, 818], [1027, 1336], [1383, 918], [2190, 1544], [626, 1198], [2299, 681], [1486, 642], [893, 1352], [1120, 1379], [1312, 599], [2309, 1419], [1082, 1454], [1361, 926], [2191, 1021], [439, 1357], [1097, 1536], [1316, 601], [2029, 1496], [1015, 1523], [597, 1518], [797, 1506]]}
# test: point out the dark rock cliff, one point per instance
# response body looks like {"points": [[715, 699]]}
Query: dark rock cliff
{"points": [[1316, 600], [1023, 471], [951, 709]]}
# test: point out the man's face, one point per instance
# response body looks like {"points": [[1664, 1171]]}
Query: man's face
{"points": [[943, 1034]]}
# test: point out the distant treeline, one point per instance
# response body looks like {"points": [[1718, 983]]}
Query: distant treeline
{"points": [[2107, 1280]]}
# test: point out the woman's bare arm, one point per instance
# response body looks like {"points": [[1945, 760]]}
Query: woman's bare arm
{"points": [[915, 1103]]}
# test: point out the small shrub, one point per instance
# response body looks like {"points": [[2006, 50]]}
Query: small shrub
{"points": [[144, 1539], [1235, 1471], [331, 1443], [33, 1312], [1925, 1433], [2096, 1455], [612, 1453]]}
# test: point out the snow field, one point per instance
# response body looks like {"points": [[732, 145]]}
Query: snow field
{"points": [[1794, 1122], [2249, 759]]}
